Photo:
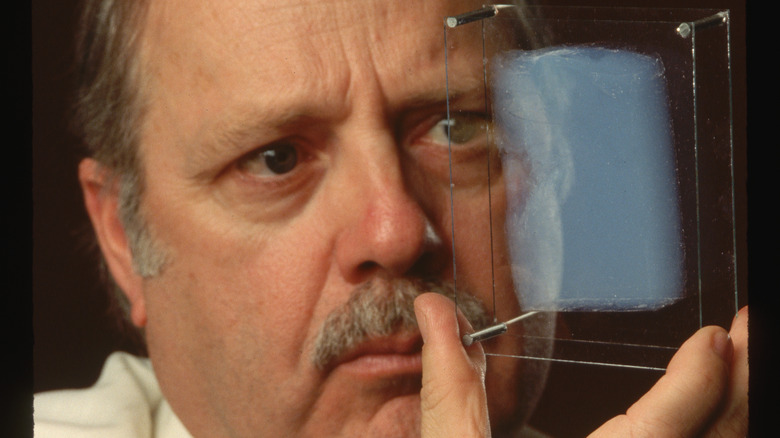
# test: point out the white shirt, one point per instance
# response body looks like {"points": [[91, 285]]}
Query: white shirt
{"points": [[125, 402]]}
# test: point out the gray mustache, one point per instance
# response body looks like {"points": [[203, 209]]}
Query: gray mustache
{"points": [[381, 307]]}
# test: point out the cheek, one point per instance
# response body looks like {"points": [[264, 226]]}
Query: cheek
{"points": [[229, 289], [230, 315]]}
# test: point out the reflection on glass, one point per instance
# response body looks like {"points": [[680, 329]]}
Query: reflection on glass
{"points": [[607, 205]]}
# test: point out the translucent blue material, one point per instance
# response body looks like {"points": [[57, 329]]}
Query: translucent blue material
{"points": [[588, 155]]}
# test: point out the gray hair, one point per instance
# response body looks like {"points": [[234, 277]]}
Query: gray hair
{"points": [[109, 108]]}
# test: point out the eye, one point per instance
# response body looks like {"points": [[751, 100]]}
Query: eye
{"points": [[472, 149], [461, 129], [276, 159]]}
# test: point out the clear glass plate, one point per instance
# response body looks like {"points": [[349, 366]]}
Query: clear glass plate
{"points": [[609, 161]]}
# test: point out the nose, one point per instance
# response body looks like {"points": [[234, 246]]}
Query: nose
{"points": [[388, 232]]}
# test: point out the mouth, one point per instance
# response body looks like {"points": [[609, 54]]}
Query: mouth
{"points": [[389, 356]]}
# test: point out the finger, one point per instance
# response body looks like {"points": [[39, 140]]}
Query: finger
{"points": [[453, 399], [684, 400], [733, 418]]}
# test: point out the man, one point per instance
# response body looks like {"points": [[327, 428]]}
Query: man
{"points": [[270, 190]]}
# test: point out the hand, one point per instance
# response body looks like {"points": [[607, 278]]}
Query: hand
{"points": [[453, 399], [703, 393]]}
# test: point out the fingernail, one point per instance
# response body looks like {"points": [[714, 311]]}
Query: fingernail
{"points": [[721, 344]]}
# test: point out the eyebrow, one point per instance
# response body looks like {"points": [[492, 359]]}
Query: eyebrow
{"points": [[465, 89], [254, 124], [252, 127], [229, 136], [233, 136]]}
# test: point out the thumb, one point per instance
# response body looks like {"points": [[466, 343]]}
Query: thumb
{"points": [[684, 399], [453, 398]]}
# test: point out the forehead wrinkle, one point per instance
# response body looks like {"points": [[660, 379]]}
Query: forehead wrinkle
{"points": [[209, 38], [420, 79], [306, 20], [214, 63], [232, 136], [292, 21], [327, 87]]}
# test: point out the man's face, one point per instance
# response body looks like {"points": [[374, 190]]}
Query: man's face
{"points": [[294, 151]]}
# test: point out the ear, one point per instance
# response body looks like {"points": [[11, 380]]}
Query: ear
{"points": [[101, 199]]}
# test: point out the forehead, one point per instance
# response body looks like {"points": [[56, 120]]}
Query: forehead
{"points": [[261, 45], [229, 25], [262, 66]]}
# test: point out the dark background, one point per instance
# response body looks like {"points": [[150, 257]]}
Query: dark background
{"points": [[72, 327]]}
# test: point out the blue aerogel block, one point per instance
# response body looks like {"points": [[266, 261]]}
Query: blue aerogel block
{"points": [[586, 138]]}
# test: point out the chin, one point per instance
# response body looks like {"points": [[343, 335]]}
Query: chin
{"points": [[393, 413], [399, 417]]}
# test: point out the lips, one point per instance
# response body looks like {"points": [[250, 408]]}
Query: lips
{"points": [[383, 357]]}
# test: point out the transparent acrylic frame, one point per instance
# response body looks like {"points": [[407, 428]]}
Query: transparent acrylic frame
{"points": [[693, 46]]}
